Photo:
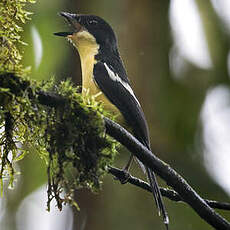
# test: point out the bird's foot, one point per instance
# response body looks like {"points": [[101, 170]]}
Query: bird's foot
{"points": [[123, 176]]}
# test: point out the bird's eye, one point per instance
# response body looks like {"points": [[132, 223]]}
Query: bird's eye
{"points": [[92, 22]]}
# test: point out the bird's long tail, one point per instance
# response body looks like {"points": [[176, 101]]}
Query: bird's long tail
{"points": [[153, 182], [157, 196]]}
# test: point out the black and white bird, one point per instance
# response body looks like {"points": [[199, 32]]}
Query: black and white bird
{"points": [[104, 75]]}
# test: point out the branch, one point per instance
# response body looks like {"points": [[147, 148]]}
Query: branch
{"points": [[172, 178], [169, 193]]}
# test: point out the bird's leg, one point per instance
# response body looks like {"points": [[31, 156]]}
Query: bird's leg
{"points": [[125, 170], [128, 165]]}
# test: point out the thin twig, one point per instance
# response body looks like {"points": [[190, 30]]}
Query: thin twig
{"points": [[169, 193], [172, 178]]}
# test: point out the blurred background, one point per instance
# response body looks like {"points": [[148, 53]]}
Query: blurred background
{"points": [[177, 57]]}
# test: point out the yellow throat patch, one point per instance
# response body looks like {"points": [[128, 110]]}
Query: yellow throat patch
{"points": [[87, 48]]}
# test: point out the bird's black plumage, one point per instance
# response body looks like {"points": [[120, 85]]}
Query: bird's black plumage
{"points": [[109, 74], [123, 100], [130, 108], [101, 30]]}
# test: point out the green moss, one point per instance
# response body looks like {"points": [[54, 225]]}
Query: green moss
{"points": [[22, 120], [12, 16], [79, 149], [70, 137]]}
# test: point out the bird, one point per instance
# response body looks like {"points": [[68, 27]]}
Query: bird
{"points": [[104, 76]]}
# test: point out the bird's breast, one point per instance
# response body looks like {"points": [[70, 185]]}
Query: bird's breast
{"points": [[89, 86], [88, 48]]}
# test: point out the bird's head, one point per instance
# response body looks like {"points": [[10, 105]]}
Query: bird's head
{"points": [[89, 30]]}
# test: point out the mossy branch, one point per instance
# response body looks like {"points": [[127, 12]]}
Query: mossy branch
{"points": [[62, 99], [65, 128]]}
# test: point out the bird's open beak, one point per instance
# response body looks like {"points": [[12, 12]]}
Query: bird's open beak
{"points": [[72, 20]]}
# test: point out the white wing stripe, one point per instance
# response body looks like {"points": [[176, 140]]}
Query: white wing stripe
{"points": [[115, 77]]}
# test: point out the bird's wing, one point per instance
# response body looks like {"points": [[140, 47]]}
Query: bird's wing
{"points": [[121, 95]]}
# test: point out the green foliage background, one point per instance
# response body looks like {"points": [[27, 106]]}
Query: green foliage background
{"points": [[172, 106]]}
